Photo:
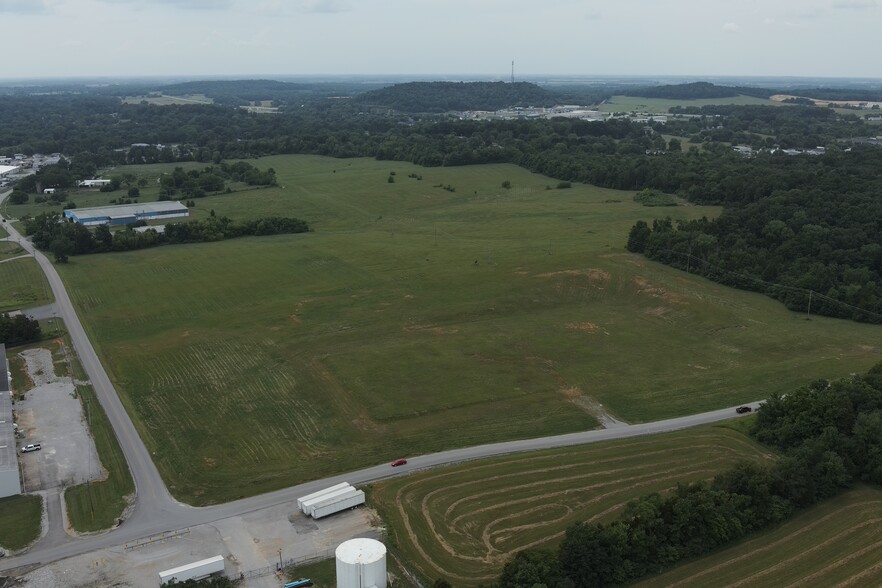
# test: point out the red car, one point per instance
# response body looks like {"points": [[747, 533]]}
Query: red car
{"points": [[399, 462]]}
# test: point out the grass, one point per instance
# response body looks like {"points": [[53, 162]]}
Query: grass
{"points": [[20, 520], [98, 505], [414, 319], [661, 105], [464, 522], [9, 250], [836, 543], [3, 233], [22, 285]]}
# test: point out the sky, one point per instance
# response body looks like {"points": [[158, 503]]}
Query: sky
{"points": [[250, 38]]}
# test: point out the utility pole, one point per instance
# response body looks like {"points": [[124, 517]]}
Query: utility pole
{"points": [[808, 314], [280, 559], [512, 71]]}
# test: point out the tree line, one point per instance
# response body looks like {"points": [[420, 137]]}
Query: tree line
{"points": [[50, 232], [829, 435], [19, 329]]}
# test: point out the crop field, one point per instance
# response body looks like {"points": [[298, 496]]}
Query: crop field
{"points": [[22, 284], [463, 522], [416, 319], [661, 105], [835, 544]]}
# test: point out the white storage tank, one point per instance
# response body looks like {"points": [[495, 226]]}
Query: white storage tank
{"points": [[361, 563]]}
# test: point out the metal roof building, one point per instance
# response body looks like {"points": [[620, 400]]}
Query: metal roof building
{"points": [[5, 169], [9, 480], [126, 213]]}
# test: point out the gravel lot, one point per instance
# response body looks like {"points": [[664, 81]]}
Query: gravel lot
{"points": [[51, 415]]}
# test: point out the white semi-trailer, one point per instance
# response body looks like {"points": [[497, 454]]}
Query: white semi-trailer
{"points": [[342, 502], [308, 504], [303, 499], [197, 570]]}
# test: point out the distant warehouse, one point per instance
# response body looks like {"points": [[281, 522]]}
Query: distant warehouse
{"points": [[126, 213]]}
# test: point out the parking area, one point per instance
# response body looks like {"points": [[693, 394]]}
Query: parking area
{"points": [[50, 414]]}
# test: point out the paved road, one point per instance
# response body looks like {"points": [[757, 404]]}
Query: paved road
{"points": [[156, 511]]}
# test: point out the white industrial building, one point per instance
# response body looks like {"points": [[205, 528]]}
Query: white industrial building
{"points": [[92, 183], [126, 213], [9, 479], [7, 169]]}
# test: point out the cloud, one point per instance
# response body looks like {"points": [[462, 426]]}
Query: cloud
{"points": [[24, 6], [322, 6], [855, 4], [185, 4], [596, 15], [731, 27]]}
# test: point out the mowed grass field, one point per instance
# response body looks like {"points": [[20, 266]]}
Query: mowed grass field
{"points": [[661, 105], [415, 319], [835, 544], [22, 284], [463, 522]]}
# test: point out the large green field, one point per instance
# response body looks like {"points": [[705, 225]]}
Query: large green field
{"points": [[837, 543], [22, 284], [415, 319], [462, 523], [661, 105], [20, 520]]}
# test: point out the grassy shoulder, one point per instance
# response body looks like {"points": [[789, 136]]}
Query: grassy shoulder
{"points": [[463, 522], [98, 505], [20, 520], [23, 285]]}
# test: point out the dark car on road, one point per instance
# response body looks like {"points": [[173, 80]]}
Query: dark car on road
{"points": [[743, 409], [399, 462]]}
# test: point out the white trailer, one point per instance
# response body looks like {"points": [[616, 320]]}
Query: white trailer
{"points": [[194, 571], [303, 499], [329, 507], [308, 504]]}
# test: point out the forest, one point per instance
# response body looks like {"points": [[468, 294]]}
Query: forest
{"points": [[829, 435], [447, 96]]}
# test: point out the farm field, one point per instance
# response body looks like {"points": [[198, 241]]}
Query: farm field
{"points": [[22, 284], [463, 522], [837, 543], [20, 520], [415, 319], [661, 105]]}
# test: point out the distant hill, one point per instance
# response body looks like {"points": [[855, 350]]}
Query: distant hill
{"points": [[446, 96], [697, 90]]}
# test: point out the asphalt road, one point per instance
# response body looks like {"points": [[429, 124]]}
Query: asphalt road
{"points": [[156, 511]]}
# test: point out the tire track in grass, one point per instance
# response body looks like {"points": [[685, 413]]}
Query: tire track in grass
{"points": [[804, 553], [416, 509], [784, 540]]}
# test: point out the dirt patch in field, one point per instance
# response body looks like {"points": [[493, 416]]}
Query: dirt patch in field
{"points": [[659, 311], [408, 296], [430, 329], [587, 327], [645, 287], [520, 273], [578, 397], [590, 273]]}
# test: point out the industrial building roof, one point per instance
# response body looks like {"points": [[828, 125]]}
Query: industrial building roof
{"points": [[127, 209], [5, 169], [7, 431]]}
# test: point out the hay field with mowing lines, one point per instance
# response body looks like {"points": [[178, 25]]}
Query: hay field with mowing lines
{"points": [[662, 105], [463, 522], [835, 544], [22, 285], [414, 319]]}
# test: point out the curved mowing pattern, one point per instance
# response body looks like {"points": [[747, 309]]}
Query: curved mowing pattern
{"points": [[838, 543], [464, 522]]}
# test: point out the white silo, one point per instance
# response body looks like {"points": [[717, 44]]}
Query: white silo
{"points": [[361, 563]]}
